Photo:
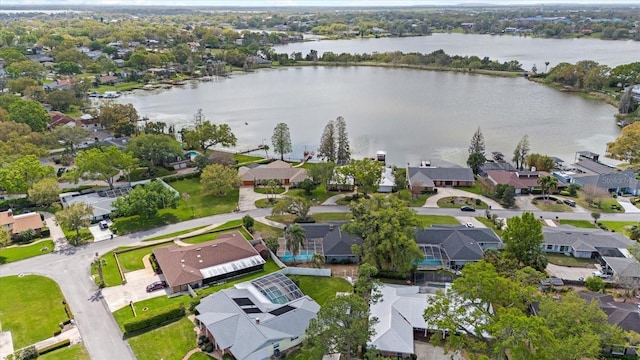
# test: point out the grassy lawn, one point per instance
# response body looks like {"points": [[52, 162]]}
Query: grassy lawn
{"points": [[318, 217], [31, 308], [317, 197], [264, 190], [578, 223], [489, 224], [321, 288], [460, 201], [198, 205], [428, 220], [563, 260], [16, 253], [213, 235], [143, 174], [109, 271], [85, 235], [605, 207], [75, 352], [171, 341], [132, 260], [199, 356], [619, 226], [266, 231], [550, 205], [173, 234], [475, 189], [409, 198], [243, 158], [123, 86]]}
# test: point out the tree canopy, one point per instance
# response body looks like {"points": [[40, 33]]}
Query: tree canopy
{"points": [[520, 152], [205, 134], [626, 146], [104, 163], [154, 149], [145, 200], [19, 176], [523, 238], [366, 174], [281, 140], [219, 179], [31, 113], [74, 217], [120, 118]]}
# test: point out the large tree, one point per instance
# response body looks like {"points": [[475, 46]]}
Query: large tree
{"points": [[154, 149], [548, 184], [206, 134], [292, 205], [540, 162], [521, 151], [343, 149], [321, 173], [327, 149], [523, 238], [19, 176], [45, 191], [70, 136], [104, 163], [627, 146], [120, 118], [387, 227], [342, 326], [61, 100], [145, 200], [219, 179], [295, 237], [74, 217], [366, 174], [281, 140], [31, 113], [477, 143]]}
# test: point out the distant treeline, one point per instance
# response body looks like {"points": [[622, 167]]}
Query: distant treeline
{"points": [[437, 58]]}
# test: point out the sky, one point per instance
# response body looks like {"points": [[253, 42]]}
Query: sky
{"points": [[289, 3]]}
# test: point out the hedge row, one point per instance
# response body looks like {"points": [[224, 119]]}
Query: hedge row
{"points": [[56, 346], [148, 320]]}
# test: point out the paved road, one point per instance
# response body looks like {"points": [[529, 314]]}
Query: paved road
{"points": [[70, 268]]}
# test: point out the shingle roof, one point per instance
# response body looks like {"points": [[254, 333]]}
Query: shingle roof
{"points": [[442, 173], [460, 243], [21, 222], [594, 166], [625, 315], [277, 170], [335, 241], [583, 239], [187, 264], [624, 267]]}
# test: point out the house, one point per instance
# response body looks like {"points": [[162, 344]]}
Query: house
{"points": [[494, 166], [108, 79], [101, 201], [592, 172], [230, 255], [334, 242], [524, 181], [584, 243], [119, 62], [278, 170], [451, 247], [430, 177], [57, 85], [256, 320], [59, 119], [388, 181], [624, 268], [15, 224]]}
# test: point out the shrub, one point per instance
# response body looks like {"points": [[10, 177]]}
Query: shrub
{"points": [[158, 317], [208, 347], [248, 223], [478, 202], [67, 310], [56, 346], [594, 283], [192, 305], [27, 353], [565, 193]]}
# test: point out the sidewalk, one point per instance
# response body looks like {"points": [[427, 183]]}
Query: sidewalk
{"points": [[72, 334], [59, 239]]}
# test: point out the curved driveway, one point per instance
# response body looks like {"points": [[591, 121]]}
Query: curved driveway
{"points": [[70, 268]]}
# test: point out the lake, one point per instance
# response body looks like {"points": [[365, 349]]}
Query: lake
{"points": [[527, 50], [412, 114]]}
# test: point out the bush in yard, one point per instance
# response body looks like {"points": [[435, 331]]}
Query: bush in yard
{"points": [[248, 222], [26, 236], [158, 317], [209, 347], [56, 346], [27, 353], [594, 284], [478, 202]]}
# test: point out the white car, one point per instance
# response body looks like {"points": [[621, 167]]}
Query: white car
{"points": [[469, 225], [600, 274]]}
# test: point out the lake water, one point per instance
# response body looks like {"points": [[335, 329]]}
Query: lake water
{"points": [[413, 115], [527, 50]]}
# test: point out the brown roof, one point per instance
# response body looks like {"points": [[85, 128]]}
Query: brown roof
{"points": [[21, 222], [277, 170], [182, 264], [58, 118], [526, 180]]}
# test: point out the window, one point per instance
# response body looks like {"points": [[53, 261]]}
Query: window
{"points": [[549, 247], [294, 338]]}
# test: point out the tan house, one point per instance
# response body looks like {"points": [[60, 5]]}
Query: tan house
{"points": [[201, 264], [15, 224], [277, 170]]}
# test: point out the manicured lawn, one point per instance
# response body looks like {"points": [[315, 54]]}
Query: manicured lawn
{"points": [[171, 341], [266, 231], [605, 207], [73, 352], [551, 205], [563, 260], [143, 173], [460, 201], [123, 86], [199, 356], [489, 224], [16, 253], [265, 190], [198, 205], [173, 234], [578, 223], [619, 226], [109, 271], [428, 220], [408, 197], [242, 158], [475, 189], [31, 308], [318, 217], [85, 235], [212, 235], [132, 260], [321, 288], [317, 197]]}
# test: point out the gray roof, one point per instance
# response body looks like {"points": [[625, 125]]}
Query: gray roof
{"points": [[615, 180], [623, 314], [623, 266], [460, 243], [594, 166], [504, 166], [583, 239], [421, 175], [335, 241], [244, 321]]}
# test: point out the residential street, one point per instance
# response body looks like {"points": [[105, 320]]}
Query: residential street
{"points": [[70, 268]]}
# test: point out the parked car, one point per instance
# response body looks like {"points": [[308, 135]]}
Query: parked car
{"points": [[569, 202], [600, 274], [469, 225], [103, 225], [467, 208], [156, 286]]}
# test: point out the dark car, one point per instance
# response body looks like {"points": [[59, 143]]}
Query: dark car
{"points": [[467, 208], [569, 202], [156, 286]]}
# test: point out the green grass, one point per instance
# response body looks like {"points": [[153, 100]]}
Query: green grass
{"points": [[85, 235], [242, 158], [318, 217], [489, 224], [570, 261], [266, 231], [586, 224], [213, 235], [619, 226], [198, 205], [605, 206], [132, 260], [123, 86], [264, 190], [553, 206], [411, 201], [73, 352], [460, 201], [31, 308], [475, 189], [16, 253], [143, 174], [109, 271], [173, 234], [317, 196], [73, 111], [321, 288], [199, 356], [172, 341], [428, 220]]}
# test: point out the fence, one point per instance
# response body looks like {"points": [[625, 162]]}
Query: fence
{"points": [[421, 278], [306, 271]]}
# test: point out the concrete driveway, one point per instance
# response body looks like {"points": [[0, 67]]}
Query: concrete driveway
{"points": [[628, 207], [470, 219], [426, 351], [432, 201], [134, 290], [570, 273], [101, 234]]}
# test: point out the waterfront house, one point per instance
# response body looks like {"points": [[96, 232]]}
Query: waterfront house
{"points": [[276, 170], [429, 177]]}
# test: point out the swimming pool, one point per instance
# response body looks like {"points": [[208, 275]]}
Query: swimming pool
{"points": [[192, 154], [303, 255]]}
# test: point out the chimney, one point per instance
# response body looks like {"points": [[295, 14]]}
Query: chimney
{"points": [[330, 227], [9, 212], [257, 320]]}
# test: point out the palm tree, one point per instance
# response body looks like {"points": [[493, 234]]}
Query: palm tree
{"points": [[296, 237], [97, 264], [548, 184]]}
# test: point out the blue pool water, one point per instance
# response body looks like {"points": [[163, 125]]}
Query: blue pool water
{"points": [[429, 262], [304, 255]]}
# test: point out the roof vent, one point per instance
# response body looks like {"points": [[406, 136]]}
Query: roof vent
{"points": [[198, 249], [182, 261], [257, 320], [214, 245], [330, 227], [200, 261]]}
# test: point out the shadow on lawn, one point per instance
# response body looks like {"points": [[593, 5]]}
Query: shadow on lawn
{"points": [[131, 224]]}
